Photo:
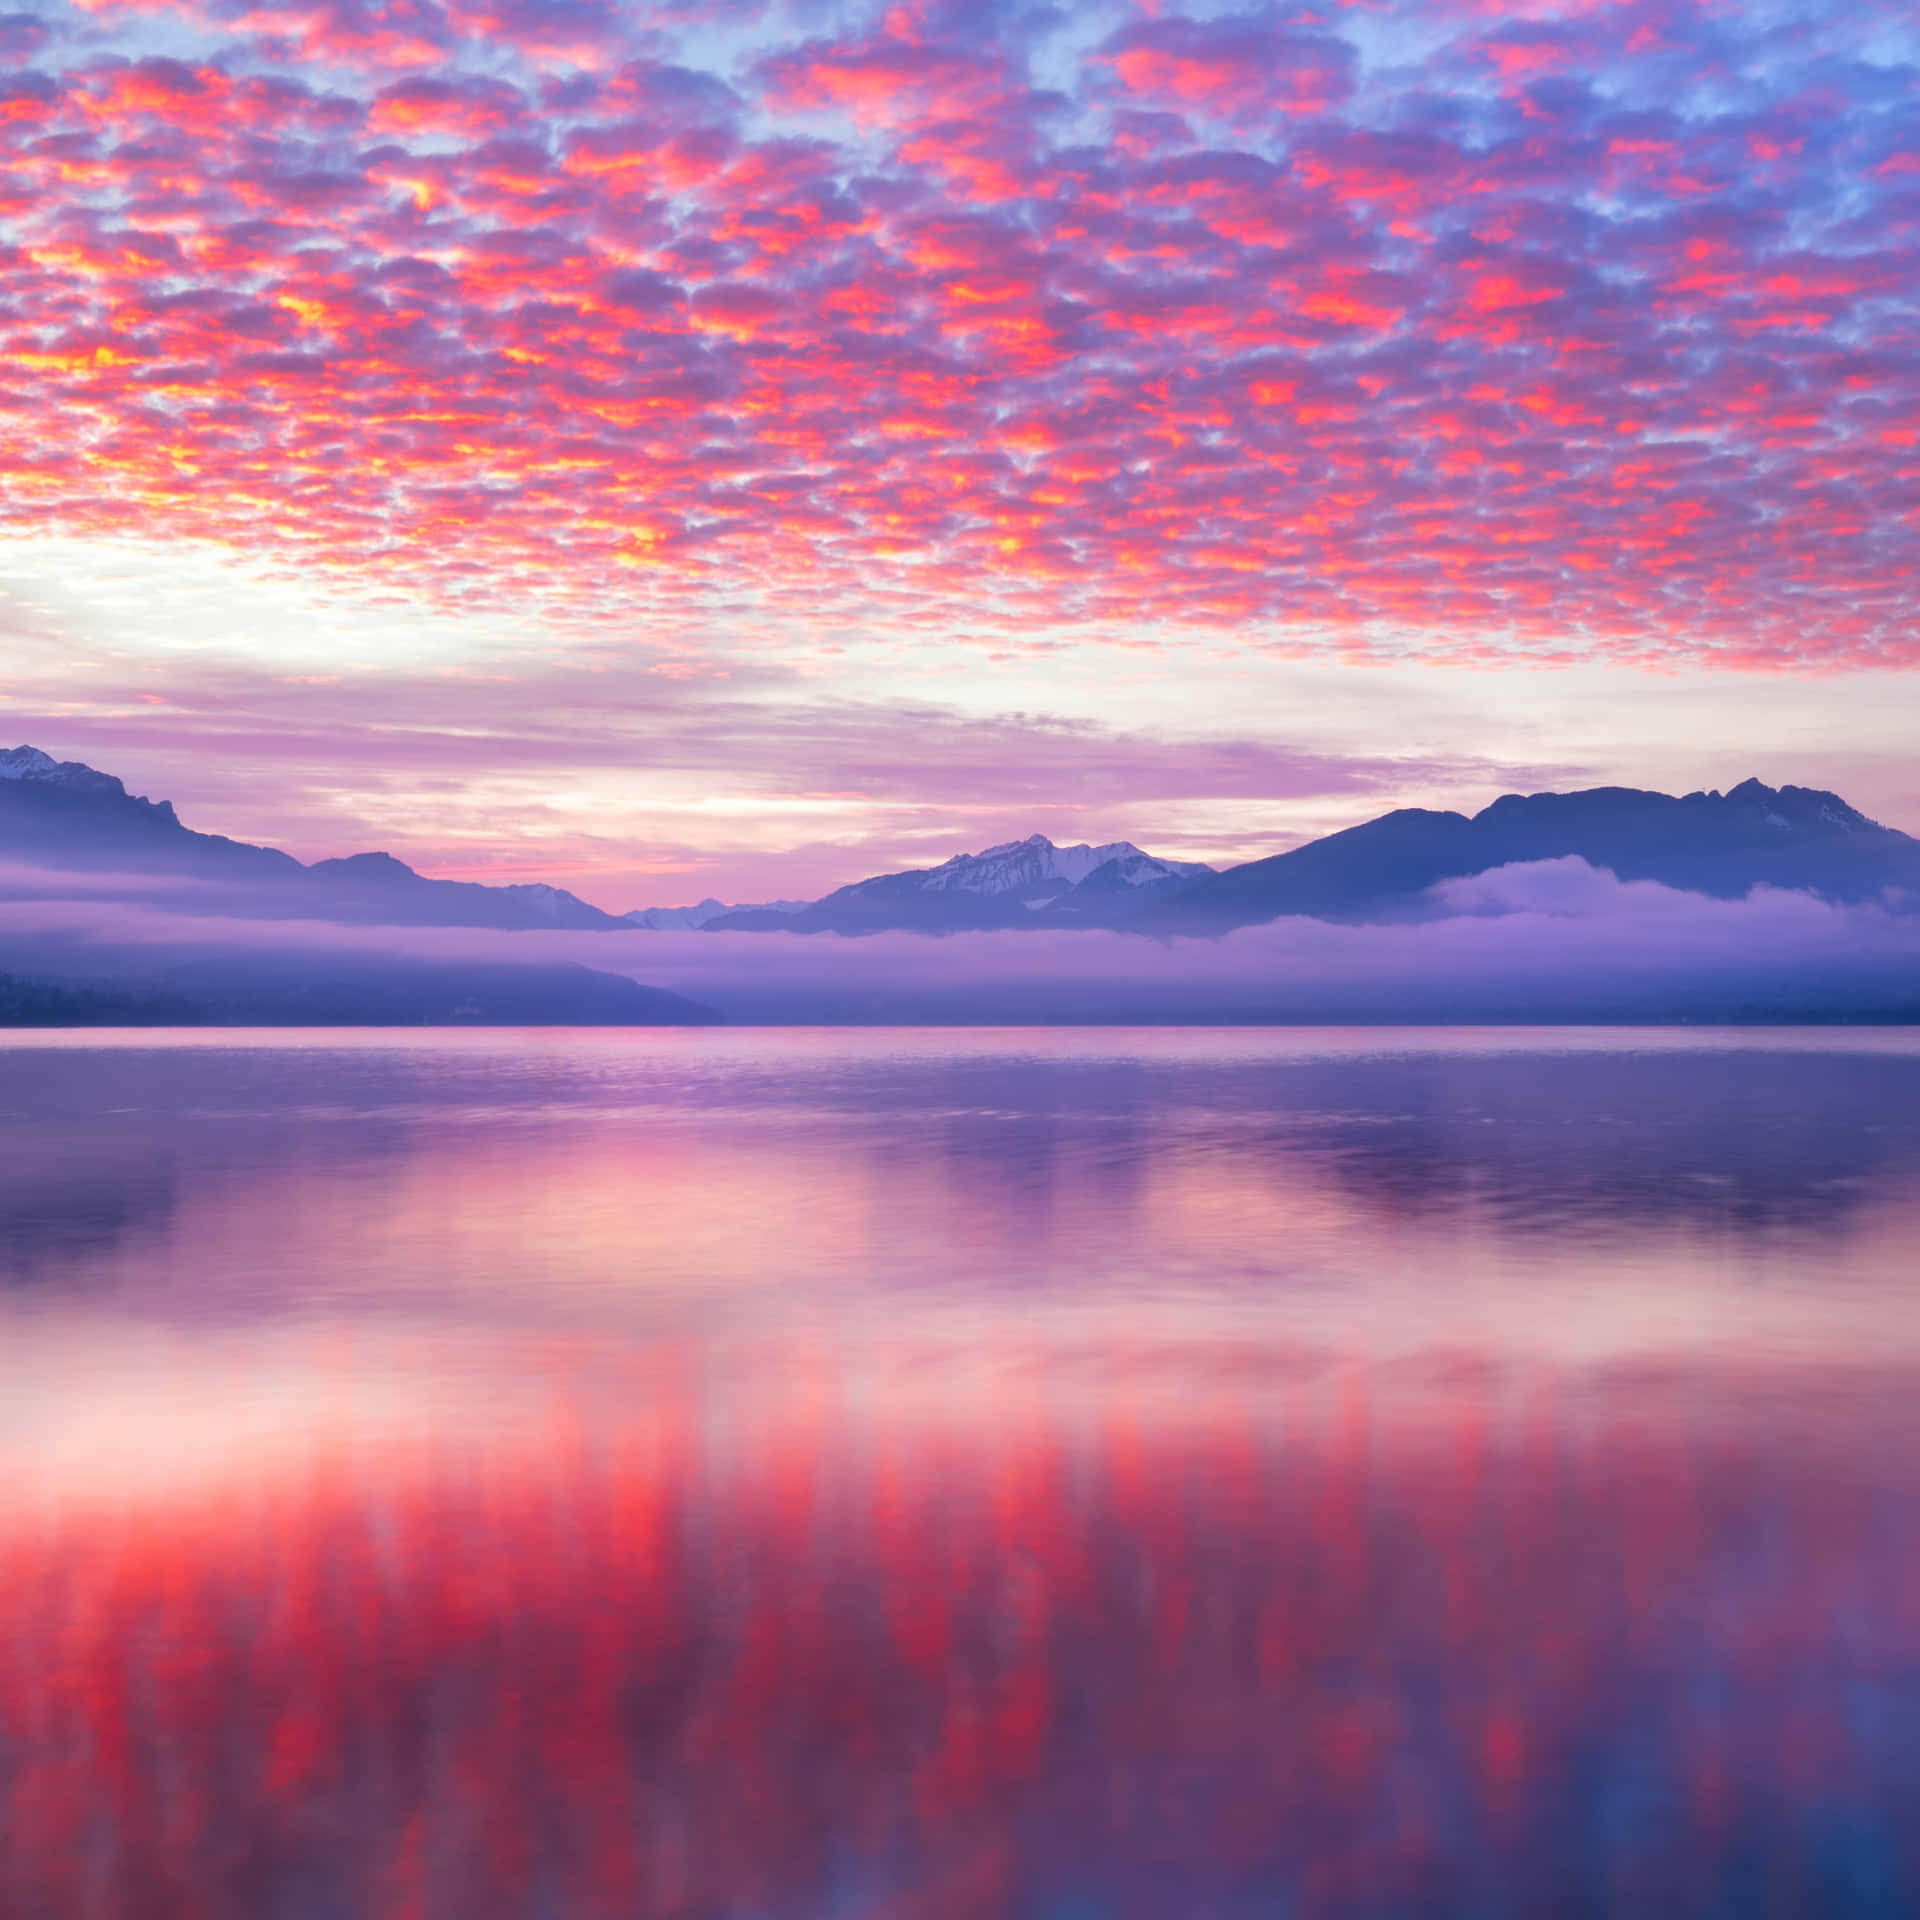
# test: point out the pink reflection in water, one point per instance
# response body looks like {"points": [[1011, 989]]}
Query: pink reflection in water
{"points": [[808, 1632]]}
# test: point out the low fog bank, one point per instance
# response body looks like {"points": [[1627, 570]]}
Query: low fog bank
{"points": [[1554, 940]]}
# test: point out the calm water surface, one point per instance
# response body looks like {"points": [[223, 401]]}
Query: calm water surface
{"points": [[917, 1476]]}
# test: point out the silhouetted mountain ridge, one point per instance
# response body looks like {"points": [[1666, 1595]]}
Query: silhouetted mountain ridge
{"points": [[66, 815], [71, 818], [1719, 844]]}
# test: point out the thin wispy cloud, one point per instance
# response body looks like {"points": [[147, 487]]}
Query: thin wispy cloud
{"points": [[602, 780]]}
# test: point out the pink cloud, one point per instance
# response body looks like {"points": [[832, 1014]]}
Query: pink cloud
{"points": [[1238, 68], [872, 327]]}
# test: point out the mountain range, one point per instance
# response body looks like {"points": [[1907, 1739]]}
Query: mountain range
{"points": [[114, 911], [65, 815], [60, 813], [1023, 883], [1719, 844]]}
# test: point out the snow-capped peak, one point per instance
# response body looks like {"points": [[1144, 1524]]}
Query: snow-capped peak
{"points": [[1020, 866], [677, 919], [30, 764], [554, 903], [27, 763]]}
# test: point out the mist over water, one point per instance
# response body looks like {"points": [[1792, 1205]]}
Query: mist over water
{"points": [[1551, 941], [1060, 1474]]}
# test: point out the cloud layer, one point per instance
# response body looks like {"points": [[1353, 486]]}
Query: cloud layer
{"points": [[1584, 326], [1548, 940]]}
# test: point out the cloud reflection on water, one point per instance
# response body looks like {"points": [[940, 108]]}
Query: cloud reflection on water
{"points": [[796, 1632], [1159, 1164], [892, 1477]]}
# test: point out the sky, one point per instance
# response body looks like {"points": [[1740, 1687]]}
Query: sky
{"points": [[731, 449]]}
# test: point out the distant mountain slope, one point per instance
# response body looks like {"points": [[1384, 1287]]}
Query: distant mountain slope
{"points": [[80, 1003], [1710, 843], [322, 989], [377, 888], [690, 919], [318, 989], [1023, 883], [62, 814]]}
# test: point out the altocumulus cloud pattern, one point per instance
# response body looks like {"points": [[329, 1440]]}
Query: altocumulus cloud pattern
{"points": [[1434, 326]]}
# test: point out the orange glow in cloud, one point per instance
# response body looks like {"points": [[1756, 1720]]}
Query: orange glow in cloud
{"points": [[506, 297]]}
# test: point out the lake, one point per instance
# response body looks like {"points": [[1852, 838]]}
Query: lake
{"points": [[907, 1475]]}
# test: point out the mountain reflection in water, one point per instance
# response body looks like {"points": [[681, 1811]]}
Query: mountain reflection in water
{"points": [[795, 1477]]}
